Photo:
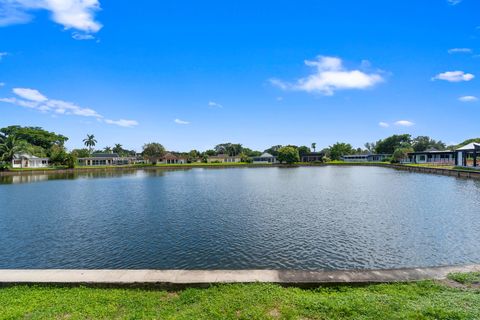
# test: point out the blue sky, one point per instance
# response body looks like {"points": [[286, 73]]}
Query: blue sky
{"points": [[192, 74]]}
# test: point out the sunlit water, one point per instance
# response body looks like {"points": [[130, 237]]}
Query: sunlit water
{"points": [[244, 218]]}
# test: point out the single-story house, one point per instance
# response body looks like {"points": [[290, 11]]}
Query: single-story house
{"points": [[224, 158], [312, 157], [368, 157], [433, 156], [265, 158], [466, 156], [170, 158], [105, 159], [24, 160]]}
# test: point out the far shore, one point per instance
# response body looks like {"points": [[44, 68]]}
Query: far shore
{"points": [[440, 170]]}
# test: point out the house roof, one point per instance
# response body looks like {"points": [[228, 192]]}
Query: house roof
{"points": [[105, 155], [470, 146], [265, 155], [27, 156]]}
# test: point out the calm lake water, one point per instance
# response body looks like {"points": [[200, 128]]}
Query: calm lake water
{"points": [[279, 218]]}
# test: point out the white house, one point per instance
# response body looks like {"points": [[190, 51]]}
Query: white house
{"points": [[466, 156], [24, 160]]}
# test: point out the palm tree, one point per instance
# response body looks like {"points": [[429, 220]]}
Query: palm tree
{"points": [[117, 148], [314, 146], [90, 142], [9, 146], [107, 150]]}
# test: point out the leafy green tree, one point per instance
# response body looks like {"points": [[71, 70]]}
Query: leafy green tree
{"points": [[273, 150], [153, 151], [288, 155], [340, 149], [71, 160], [58, 155], [390, 144], [81, 153], [35, 136], [401, 153], [245, 158], [118, 149], [107, 149], [251, 153], [193, 156], [10, 145], [422, 143], [303, 150], [231, 149], [90, 142], [314, 146], [371, 146], [210, 153]]}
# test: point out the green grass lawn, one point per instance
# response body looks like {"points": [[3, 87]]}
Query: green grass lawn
{"points": [[420, 300]]}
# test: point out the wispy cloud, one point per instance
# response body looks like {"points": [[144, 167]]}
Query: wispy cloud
{"points": [[454, 2], [34, 99], [383, 124], [404, 123], [460, 50], [2, 84], [330, 76], [178, 121], [122, 123], [214, 104], [82, 36], [468, 99], [3, 54], [454, 76], [72, 14]]}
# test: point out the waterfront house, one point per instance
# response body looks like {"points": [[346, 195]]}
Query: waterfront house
{"points": [[368, 157], [431, 156], [105, 159], [312, 157], [223, 158], [170, 158], [466, 156], [265, 158], [24, 160]]}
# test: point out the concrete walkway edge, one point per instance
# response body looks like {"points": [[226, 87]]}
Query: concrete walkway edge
{"points": [[205, 277]]}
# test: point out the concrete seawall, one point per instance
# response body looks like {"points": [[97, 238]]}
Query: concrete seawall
{"points": [[169, 278]]}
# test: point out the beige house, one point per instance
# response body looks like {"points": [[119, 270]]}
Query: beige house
{"points": [[170, 158], [223, 158]]}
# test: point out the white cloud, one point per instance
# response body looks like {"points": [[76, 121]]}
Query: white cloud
{"points": [[454, 76], [214, 104], [82, 36], [454, 2], [460, 50], [72, 14], [468, 99], [329, 77], [178, 121], [2, 84], [123, 123], [34, 99], [3, 54], [404, 123], [30, 94], [383, 124]]}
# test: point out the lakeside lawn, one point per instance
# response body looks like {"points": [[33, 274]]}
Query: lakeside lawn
{"points": [[418, 300]]}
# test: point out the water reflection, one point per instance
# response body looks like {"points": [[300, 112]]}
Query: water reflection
{"points": [[42, 177]]}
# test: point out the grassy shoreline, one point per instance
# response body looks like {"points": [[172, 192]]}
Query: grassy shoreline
{"points": [[415, 300]]}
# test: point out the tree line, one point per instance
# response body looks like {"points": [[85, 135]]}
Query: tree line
{"points": [[41, 143]]}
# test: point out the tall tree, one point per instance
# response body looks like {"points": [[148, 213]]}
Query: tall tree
{"points": [[107, 149], [118, 149], [314, 146], [90, 142], [153, 151], [35, 136], [390, 144], [303, 150], [340, 149], [422, 143], [288, 155]]}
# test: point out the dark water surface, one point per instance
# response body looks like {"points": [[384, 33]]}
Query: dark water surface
{"points": [[295, 218]]}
